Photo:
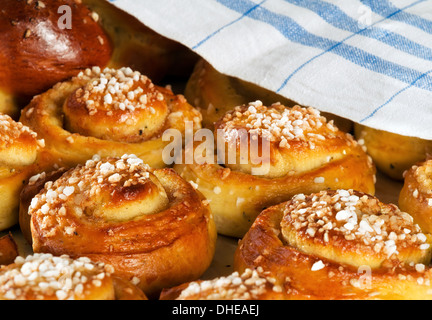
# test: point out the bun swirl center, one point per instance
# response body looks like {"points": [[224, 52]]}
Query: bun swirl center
{"points": [[284, 140], [112, 190], [353, 228]]}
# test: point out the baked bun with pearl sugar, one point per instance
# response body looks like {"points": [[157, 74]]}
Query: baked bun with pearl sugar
{"points": [[306, 153], [36, 52], [109, 112], [149, 224], [249, 285], [42, 276], [340, 244]]}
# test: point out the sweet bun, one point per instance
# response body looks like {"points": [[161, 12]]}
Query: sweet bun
{"points": [[19, 152], [109, 112], [149, 224], [46, 277], [340, 244], [392, 153], [46, 42], [36, 52], [215, 94], [306, 153], [249, 285], [416, 194]]}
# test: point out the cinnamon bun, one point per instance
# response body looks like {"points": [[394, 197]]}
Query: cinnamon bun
{"points": [[265, 155], [109, 112], [46, 277], [416, 194], [149, 224], [340, 244]]}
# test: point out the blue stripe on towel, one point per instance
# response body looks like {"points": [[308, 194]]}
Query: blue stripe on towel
{"points": [[296, 33], [247, 11], [385, 7], [393, 96], [333, 15]]}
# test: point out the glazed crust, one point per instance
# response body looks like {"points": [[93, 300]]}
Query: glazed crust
{"points": [[32, 187], [52, 121], [325, 158], [28, 30], [46, 42], [319, 277], [392, 153], [159, 248], [415, 196]]}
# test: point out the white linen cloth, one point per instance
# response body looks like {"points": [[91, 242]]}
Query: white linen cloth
{"points": [[366, 60]]}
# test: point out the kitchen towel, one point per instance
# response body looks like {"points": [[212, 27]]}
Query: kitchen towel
{"points": [[366, 60]]}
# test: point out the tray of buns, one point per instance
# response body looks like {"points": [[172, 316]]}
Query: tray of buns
{"points": [[131, 169]]}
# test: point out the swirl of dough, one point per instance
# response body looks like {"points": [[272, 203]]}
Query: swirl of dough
{"points": [[149, 224], [109, 112]]}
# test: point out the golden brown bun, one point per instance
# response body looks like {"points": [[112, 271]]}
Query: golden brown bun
{"points": [[140, 48], [149, 224], [215, 94], [306, 154], [340, 244], [110, 113], [392, 153], [36, 52], [46, 277], [416, 194], [46, 42], [249, 285], [19, 152]]}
